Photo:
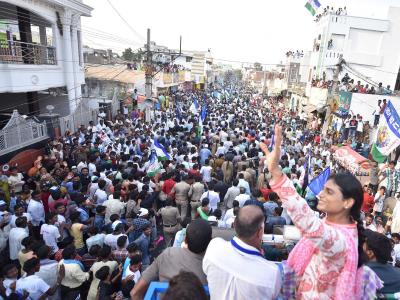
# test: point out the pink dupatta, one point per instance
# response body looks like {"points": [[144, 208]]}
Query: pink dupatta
{"points": [[346, 286]]}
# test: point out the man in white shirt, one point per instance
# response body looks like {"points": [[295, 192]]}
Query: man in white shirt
{"points": [[220, 150], [95, 238], [100, 196], [113, 206], [36, 210], [242, 197], [17, 234], [369, 222], [243, 183], [112, 238], [205, 172], [229, 213], [224, 260], [82, 164], [33, 284], [231, 194], [19, 212], [15, 180], [212, 196], [50, 233]]}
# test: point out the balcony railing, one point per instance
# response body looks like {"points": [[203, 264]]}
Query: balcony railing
{"points": [[15, 52]]}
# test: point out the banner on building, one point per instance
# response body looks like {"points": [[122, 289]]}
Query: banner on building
{"points": [[388, 137], [342, 104]]}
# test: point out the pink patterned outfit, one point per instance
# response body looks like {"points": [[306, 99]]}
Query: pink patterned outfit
{"points": [[325, 259]]}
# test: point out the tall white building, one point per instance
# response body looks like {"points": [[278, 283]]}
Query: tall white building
{"points": [[41, 58], [369, 46]]}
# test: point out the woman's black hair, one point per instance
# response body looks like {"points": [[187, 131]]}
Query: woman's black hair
{"points": [[351, 187]]}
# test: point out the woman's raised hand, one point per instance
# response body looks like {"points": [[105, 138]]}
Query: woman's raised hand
{"points": [[274, 156]]}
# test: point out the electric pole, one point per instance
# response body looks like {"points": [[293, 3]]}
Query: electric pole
{"points": [[331, 97], [148, 77], [149, 74]]}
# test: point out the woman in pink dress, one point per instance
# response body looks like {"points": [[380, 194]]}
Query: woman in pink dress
{"points": [[327, 258]]}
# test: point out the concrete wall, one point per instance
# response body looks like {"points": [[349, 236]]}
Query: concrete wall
{"points": [[318, 96], [365, 104]]}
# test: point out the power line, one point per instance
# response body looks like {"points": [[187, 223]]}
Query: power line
{"points": [[47, 97], [126, 22], [88, 30]]}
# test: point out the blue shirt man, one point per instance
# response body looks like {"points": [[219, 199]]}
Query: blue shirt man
{"points": [[205, 153], [143, 243]]}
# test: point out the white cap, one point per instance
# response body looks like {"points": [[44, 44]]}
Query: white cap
{"points": [[143, 212]]}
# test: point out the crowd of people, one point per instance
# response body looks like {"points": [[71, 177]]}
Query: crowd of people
{"points": [[187, 199], [347, 84], [331, 11]]}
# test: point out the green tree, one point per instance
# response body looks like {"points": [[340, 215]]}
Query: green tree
{"points": [[128, 54]]}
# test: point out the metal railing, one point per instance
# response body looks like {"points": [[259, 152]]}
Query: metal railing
{"points": [[81, 116], [20, 132], [16, 52]]}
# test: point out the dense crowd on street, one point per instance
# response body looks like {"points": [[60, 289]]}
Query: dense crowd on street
{"points": [[188, 198]]}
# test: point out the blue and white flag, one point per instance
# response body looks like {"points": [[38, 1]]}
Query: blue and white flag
{"points": [[154, 166], [388, 135], [313, 6], [162, 154], [317, 184], [271, 146], [194, 107], [203, 113], [178, 112], [307, 167]]}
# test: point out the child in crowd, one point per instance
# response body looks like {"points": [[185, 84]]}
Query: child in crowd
{"points": [[379, 200]]}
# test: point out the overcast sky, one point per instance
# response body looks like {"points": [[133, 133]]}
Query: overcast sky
{"points": [[251, 30]]}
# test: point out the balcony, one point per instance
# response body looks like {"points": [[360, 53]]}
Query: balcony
{"points": [[15, 52]]}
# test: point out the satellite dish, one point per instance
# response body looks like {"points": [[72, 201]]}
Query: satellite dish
{"points": [[50, 108]]}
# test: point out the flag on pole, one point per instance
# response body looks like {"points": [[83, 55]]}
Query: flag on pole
{"points": [[388, 136], [317, 184], [377, 155], [199, 129], [194, 107], [204, 113], [307, 167], [271, 146], [178, 113], [162, 154], [312, 6], [154, 166]]}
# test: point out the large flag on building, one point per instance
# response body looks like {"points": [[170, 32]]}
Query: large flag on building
{"points": [[317, 184], [162, 154], [388, 136], [312, 6], [154, 166]]}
